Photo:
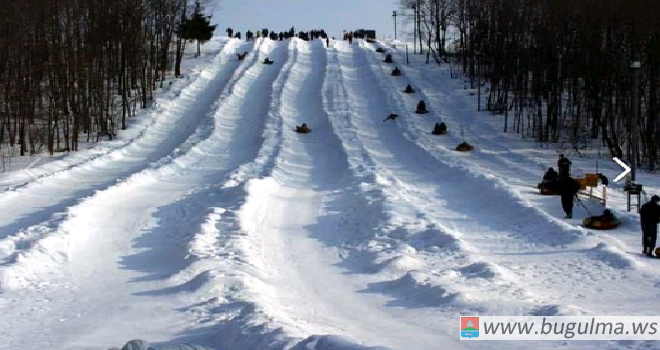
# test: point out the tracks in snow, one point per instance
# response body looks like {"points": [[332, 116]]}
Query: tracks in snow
{"points": [[245, 234], [516, 216], [38, 207], [299, 210], [98, 232]]}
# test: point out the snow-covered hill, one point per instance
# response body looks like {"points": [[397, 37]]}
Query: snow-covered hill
{"points": [[211, 222]]}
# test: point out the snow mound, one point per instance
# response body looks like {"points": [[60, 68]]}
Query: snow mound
{"points": [[399, 264], [484, 270], [139, 344], [434, 239], [416, 289], [612, 256], [557, 310], [331, 342]]}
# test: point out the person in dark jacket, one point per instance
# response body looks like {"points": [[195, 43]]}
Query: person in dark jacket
{"points": [[550, 179], [421, 107], [304, 129], [550, 175], [568, 188], [649, 215], [564, 166], [439, 129]]}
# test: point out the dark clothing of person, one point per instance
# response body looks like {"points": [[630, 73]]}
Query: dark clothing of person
{"points": [[303, 128], [567, 206], [550, 175], [440, 128], [649, 216], [568, 188], [649, 237], [649, 213], [421, 106], [607, 215], [550, 179], [564, 166]]}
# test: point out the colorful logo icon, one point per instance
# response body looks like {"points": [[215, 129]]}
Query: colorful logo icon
{"points": [[469, 327]]}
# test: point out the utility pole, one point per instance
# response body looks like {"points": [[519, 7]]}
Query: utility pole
{"points": [[478, 84], [418, 18], [635, 65], [394, 15], [407, 60], [414, 6]]}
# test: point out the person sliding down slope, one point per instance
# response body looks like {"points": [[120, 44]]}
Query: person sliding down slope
{"points": [[303, 129], [440, 128], [421, 107]]}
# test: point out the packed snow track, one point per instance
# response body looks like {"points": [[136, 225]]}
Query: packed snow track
{"points": [[212, 222]]}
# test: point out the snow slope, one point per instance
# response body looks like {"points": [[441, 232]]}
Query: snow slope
{"points": [[213, 223]]}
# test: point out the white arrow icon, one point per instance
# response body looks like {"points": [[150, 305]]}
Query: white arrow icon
{"points": [[625, 171]]}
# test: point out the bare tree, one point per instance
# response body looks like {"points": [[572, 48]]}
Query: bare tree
{"points": [[75, 67]]}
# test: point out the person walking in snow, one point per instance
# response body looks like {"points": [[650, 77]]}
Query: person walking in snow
{"points": [[568, 189], [649, 215], [564, 166]]}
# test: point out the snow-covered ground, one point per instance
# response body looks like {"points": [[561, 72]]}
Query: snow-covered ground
{"points": [[211, 222]]}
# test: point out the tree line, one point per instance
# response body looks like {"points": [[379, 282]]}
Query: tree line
{"points": [[558, 70], [74, 70]]}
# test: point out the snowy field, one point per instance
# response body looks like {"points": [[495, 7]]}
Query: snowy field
{"points": [[211, 222]]}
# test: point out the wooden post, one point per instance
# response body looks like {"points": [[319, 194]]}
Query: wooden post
{"points": [[407, 60]]}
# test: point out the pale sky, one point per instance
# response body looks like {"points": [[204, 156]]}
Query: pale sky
{"points": [[331, 15]]}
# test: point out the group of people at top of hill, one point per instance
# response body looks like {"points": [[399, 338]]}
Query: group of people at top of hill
{"points": [[265, 33]]}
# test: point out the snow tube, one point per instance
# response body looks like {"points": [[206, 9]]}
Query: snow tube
{"points": [[303, 131], [464, 147], [598, 223], [421, 112], [443, 132], [380, 50], [396, 73], [546, 190]]}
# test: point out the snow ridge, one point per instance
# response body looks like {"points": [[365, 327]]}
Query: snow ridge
{"points": [[218, 225]]}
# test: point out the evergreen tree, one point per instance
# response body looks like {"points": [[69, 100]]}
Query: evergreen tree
{"points": [[198, 27]]}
